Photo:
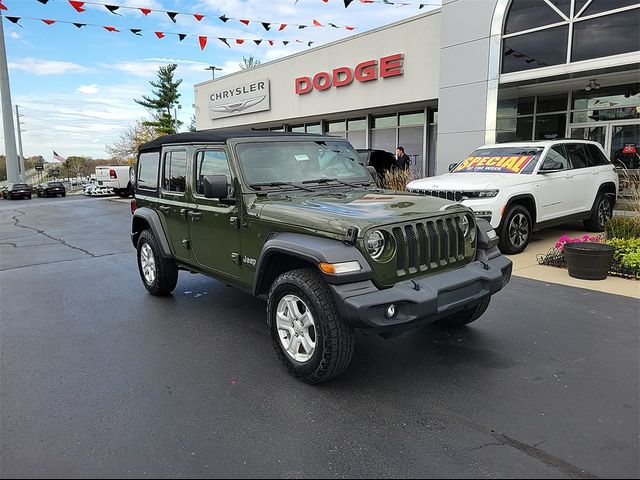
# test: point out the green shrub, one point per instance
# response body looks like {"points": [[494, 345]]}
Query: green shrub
{"points": [[627, 252], [632, 261], [623, 227]]}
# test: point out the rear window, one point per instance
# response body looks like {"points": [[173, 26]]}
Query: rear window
{"points": [[55, 184], [20, 185], [501, 160], [148, 169]]}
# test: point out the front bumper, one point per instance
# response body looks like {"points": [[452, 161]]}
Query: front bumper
{"points": [[423, 300]]}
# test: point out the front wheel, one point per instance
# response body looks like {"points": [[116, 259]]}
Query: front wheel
{"points": [[601, 214], [312, 341], [466, 317], [516, 230], [159, 274]]}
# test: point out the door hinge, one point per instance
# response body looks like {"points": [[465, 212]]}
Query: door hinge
{"points": [[186, 243], [235, 222], [235, 258]]}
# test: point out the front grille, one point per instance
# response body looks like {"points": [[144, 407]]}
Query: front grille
{"points": [[428, 245], [453, 195]]}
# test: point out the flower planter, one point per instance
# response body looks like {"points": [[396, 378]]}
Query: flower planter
{"points": [[589, 261]]}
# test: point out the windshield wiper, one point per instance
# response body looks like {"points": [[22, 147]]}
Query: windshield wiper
{"points": [[258, 186], [327, 180]]}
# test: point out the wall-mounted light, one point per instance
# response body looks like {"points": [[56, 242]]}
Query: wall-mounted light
{"points": [[593, 85]]}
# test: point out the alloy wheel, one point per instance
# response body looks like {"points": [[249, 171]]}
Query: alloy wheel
{"points": [[148, 263], [519, 230], [296, 328], [604, 212]]}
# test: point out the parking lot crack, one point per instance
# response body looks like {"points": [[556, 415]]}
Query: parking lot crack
{"points": [[16, 222]]}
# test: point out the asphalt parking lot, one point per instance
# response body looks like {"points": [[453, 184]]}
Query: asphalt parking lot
{"points": [[99, 379]]}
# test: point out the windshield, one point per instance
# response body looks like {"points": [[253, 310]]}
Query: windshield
{"points": [[300, 161], [21, 185], [55, 184], [501, 160]]}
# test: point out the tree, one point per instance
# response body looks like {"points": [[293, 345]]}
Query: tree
{"points": [[192, 125], [163, 100], [76, 165], [249, 63], [125, 148]]}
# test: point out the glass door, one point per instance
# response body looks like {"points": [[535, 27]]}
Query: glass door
{"points": [[595, 133], [624, 144]]}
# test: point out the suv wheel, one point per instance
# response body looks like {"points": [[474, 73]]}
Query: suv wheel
{"points": [[466, 317], [602, 212], [159, 274], [312, 341], [516, 230]]}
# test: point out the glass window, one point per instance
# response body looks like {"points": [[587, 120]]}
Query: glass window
{"points": [[507, 107], [412, 139], [580, 5], [552, 103], [297, 128], [210, 162], [550, 127], [558, 154], [524, 129], [388, 121], [563, 5], [148, 166], [412, 118], [526, 105], [357, 124], [607, 97], [596, 156], [605, 36], [578, 155], [339, 126], [314, 128], [357, 139], [175, 171], [599, 6], [384, 139], [526, 14], [534, 50]]}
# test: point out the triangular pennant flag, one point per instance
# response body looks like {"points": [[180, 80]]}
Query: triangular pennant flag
{"points": [[266, 25], [257, 42], [136, 31], [421, 6], [310, 43], [285, 43], [246, 22], [49, 22], [203, 42], [44, 2], [509, 52], [316, 23], [282, 27], [198, 16], [272, 43], [182, 36], [350, 28], [224, 40], [14, 20], [145, 11], [3, 7], [112, 8], [334, 25], [79, 6], [159, 34], [224, 18], [302, 26], [347, 3], [111, 29], [172, 16], [80, 25], [239, 41]]}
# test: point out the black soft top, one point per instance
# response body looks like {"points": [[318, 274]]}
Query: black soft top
{"points": [[215, 136]]}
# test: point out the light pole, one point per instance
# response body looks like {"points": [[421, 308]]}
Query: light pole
{"points": [[175, 117], [7, 114], [213, 70], [23, 173]]}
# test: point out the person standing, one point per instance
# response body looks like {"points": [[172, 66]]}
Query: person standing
{"points": [[402, 159]]}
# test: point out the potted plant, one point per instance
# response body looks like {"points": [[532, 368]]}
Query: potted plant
{"points": [[589, 260]]}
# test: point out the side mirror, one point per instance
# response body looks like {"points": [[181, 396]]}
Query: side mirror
{"points": [[215, 186], [374, 175], [452, 166], [551, 167]]}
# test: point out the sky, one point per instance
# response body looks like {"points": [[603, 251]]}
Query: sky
{"points": [[75, 87]]}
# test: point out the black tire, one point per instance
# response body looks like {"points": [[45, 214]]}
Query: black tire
{"points": [[516, 230], [166, 272], [64, 195], [334, 339], [46, 195], [600, 215], [29, 197], [465, 317]]}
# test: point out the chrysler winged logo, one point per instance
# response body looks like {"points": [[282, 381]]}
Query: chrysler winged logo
{"points": [[238, 106]]}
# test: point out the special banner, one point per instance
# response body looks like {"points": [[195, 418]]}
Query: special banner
{"points": [[494, 164]]}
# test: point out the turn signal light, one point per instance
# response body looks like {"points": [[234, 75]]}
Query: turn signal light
{"points": [[134, 207], [338, 268]]}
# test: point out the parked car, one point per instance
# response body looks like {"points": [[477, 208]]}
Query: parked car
{"points": [[51, 189], [17, 190], [295, 220], [116, 177], [381, 160], [523, 187]]}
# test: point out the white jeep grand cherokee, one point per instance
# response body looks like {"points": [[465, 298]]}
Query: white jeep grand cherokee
{"points": [[522, 187]]}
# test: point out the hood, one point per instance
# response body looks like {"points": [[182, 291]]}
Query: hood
{"points": [[467, 181], [337, 211]]}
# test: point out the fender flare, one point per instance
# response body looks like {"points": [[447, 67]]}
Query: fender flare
{"points": [[313, 250], [153, 220]]}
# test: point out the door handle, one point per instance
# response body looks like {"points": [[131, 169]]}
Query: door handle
{"points": [[183, 211], [195, 216], [165, 209]]}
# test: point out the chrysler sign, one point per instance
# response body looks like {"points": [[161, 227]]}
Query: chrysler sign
{"points": [[371, 70], [247, 98]]}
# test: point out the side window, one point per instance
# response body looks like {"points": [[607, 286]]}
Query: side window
{"points": [[210, 162], [558, 154], [578, 155], [175, 171], [597, 157], [148, 166]]}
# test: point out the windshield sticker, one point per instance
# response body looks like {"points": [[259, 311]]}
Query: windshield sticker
{"points": [[494, 164], [302, 158]]}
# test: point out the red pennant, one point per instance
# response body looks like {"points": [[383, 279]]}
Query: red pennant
{"points": [[350, 28], [111, 29], [239, 41], [2, 7], [49, 22], [203, 42], [159, 34], [246, 22], [316, 23], [145, 11], [79, 6], [282, 27], [198, 16], [271, 42]]}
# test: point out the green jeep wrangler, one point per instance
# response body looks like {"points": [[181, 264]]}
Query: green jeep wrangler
{"points": [[297, 220]]}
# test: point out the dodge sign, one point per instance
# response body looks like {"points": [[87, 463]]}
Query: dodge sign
{"points": [[247, 98]]}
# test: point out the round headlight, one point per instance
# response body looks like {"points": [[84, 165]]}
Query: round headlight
{"points": [[468, 227], [375, 244]]}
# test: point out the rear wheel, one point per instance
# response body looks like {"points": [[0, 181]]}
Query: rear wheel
{"points": [[601, 214], [159, 274], [312, 341], [516, 230], [466, 317]]}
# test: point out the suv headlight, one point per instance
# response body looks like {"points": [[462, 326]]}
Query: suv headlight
{"points": [[468, 226], [375, 244], [480, 194]]}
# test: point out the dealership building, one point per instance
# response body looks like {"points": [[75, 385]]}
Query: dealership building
{"points": [[445, 82]]}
